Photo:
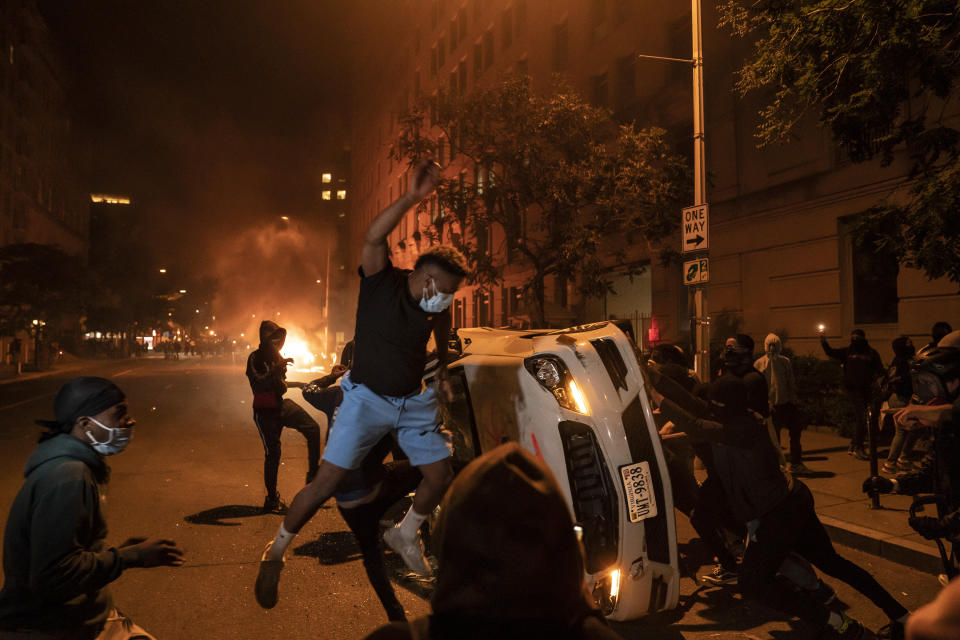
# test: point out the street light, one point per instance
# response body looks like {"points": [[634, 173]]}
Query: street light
{"points": [[163, 270]]}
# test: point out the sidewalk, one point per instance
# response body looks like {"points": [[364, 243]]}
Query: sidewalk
{"points": [[846, 511], [7, 375]]}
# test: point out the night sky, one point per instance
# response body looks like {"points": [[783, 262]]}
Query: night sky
{"points": [[210, 114]]}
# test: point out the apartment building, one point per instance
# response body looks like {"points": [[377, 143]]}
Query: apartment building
{"points": [[781, 255], [40, 196]]}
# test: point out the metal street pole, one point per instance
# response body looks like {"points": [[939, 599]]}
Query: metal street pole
{"points": [[701, 309], [700, 328], [326, 307]]}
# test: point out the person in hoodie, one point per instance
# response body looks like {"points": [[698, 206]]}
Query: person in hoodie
{"points": [[510, 563], [782, 387], [862, 368], [267, 373], [56, 562], [737, 359]]}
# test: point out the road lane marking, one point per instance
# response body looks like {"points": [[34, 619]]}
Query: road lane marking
{"points": [[33, 399], [122, 373]]}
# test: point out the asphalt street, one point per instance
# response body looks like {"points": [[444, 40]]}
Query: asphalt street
{"points": [[193, 473]]}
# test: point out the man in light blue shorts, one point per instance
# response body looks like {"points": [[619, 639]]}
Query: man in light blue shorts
{"points": [[397, 312]]}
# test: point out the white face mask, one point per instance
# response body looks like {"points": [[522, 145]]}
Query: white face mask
{"points": [[435, 302], [117, 442]]}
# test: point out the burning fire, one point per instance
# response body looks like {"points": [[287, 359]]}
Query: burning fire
{"points": [[296, 348], [304, 359]]}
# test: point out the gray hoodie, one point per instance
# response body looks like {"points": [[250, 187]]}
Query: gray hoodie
{"points": [[55, 563], [778, 371]]}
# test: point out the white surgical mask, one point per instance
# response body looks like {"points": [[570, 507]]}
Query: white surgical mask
{"points": [[117, 442], [435, 302]]}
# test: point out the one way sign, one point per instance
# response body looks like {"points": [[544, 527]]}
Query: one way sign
{"points": [[696, 228]]}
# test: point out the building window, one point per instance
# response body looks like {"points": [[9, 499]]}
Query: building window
{"points": [[506, 28], [598, 19], [875, 298], [326, 178], [488, 48], [341, 194], [520, 15], [626, 81], [477, 61], [326, 194], [600, 90], [561, 53]]}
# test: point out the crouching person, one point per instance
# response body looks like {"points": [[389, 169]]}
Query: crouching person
{"points": [[55, 562]]}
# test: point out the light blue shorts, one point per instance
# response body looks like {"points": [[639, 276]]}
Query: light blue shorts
{"points": [[365, 417]]}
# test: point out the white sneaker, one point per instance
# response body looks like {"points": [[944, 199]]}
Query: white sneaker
{"points": [[410, 550]]}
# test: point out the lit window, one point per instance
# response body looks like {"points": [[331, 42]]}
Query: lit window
{"points": [[326, 195], [327, 177], [341, 194]]}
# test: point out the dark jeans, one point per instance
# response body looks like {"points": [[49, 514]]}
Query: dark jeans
{"points": [[793, 526], [858, 405], [364, 522], [786, 416], [270, 423], [709, 515]]}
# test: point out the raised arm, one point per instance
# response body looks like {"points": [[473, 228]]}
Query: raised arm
{"points": [[373, 257]]}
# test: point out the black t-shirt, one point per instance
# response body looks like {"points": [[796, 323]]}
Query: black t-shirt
{"points": [[392, 334]]}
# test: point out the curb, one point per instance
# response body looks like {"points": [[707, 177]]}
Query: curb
{"points": [[33, 375], [906, 552]]}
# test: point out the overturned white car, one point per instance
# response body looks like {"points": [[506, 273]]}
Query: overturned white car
{"points": [[575, 398]]}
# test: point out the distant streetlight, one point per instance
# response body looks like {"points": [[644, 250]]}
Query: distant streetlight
{"points": [[183, 290], [197, 310], [285, 218], [163, 270], [318, 281]]}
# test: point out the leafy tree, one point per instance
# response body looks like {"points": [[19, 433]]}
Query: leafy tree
{"points": [[556, 175], [39, 282], [881, 76]]}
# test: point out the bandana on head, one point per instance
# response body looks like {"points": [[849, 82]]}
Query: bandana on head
{"points": [[83, 396]]}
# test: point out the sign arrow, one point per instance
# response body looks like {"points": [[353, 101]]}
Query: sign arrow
{"points": [[695, 241]]}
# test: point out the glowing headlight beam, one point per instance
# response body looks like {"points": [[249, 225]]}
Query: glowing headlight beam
{"points": [[578, 397]]}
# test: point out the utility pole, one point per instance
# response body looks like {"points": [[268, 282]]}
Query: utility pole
{"points": [[701, 310], [695, 219], [326, 306]]}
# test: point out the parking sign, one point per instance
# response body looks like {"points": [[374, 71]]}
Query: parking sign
{"points": [[696, 271]]}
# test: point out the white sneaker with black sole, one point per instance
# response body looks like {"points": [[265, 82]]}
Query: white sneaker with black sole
{"points": [[410, 550]]}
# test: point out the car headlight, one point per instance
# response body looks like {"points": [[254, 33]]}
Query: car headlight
{"points": [[606, 591], [553, 375]]}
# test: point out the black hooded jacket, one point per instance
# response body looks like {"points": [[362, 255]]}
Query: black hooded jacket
{"points": [[266, 368], [861, 363], [744, 459]]}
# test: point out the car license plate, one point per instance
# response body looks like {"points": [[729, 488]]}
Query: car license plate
{"points": [[638, 488]]}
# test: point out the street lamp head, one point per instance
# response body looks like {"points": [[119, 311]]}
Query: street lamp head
{"points": [[163, 270]]}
